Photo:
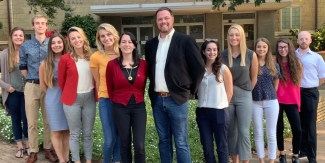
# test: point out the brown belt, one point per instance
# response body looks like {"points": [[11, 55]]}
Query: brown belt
{"points": [[163, 94]]}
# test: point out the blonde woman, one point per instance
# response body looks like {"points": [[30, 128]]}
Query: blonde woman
{"points": [[107, 43], [243, 66], [78, 93], [12, 84], [48, 73]]}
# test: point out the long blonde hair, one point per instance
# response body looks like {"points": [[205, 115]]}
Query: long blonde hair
{"points": [[110, 29], [86, 47], [49, 60], [269, 62], [12, 49], [242, 45]]}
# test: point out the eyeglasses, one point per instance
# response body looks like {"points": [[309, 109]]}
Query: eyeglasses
{"points": [[282, 47], [210, 39]]}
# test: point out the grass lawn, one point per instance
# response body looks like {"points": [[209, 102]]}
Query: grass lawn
{"points": [[151, 144]]}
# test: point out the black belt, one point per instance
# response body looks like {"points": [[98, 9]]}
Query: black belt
{"points": [[34, 81], [308, 88]]}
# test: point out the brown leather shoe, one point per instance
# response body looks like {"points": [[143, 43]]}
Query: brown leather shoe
{"points": [[51, 155], [32, 158]]}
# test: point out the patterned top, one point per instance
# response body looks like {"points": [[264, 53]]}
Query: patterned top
{"points": [[31, 54], [264, 89]]}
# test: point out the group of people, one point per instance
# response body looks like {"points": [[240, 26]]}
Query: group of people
{"points": [[233, 87]]}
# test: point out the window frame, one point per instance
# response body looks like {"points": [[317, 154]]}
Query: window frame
{"points": [[281, 23]]}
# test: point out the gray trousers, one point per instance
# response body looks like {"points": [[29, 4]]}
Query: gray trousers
{"points": [[81, 114], [240, 115]]}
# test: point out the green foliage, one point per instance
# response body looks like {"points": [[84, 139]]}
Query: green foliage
{"points": [[234, 3], [48, 7], [1, 25], [318, 38], [87, 23], [151, 143]]}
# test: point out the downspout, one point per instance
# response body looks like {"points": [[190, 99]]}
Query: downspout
{"points": [[316, 14], [9, 15]]}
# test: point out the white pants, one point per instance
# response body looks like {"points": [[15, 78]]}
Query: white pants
{"points": [[270, 108]]}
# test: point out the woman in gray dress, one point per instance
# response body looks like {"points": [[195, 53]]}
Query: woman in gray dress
{"points": [[48, 75]]}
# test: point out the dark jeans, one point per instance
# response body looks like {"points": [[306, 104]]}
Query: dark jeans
{"points": [[292, 113], [213, 123], [131, 122], [171, 120], [308, 117], [16, 105]]}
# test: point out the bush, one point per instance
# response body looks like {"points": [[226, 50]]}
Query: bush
{"points": [[87, 23], [318, 38], [151, 144]]}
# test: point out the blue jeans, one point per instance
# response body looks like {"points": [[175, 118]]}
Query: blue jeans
{"points": [[16, 105], [171, 119], [111, 140]]}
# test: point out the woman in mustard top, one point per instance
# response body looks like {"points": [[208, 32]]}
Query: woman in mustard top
{"points": [[107, 43]]}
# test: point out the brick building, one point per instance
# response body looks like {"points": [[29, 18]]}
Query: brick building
{"points": [[193, 17]]}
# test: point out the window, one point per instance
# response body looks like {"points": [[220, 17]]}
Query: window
{"points": [[290, 18], [29, 34], [192, 25]]}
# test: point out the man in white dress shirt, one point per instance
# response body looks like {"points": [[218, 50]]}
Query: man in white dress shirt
{"points": [[313, 76]]}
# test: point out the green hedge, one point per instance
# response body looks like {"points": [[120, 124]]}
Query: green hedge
{"points": [[152, 154]]}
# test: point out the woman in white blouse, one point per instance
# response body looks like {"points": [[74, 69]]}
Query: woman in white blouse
{"points": [[214, 94]]}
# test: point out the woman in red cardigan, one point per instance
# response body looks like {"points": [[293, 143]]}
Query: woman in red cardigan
{"points": [[78, 93], [126, 79]]}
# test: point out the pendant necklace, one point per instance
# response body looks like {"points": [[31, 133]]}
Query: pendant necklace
{"points": [[130, 77]]}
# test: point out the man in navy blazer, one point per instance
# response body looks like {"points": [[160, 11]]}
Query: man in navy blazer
{"points": [[176, 69]]}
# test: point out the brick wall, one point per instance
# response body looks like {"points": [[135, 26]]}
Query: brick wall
{"points": [[4, 32], [321, 11], [321, 107], [307, 14]]}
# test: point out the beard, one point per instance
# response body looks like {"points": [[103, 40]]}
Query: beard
{"points": [[303, 46]]}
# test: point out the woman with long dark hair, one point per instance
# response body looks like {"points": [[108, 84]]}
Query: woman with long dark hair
{"points": [[289, 96], [214, 95], [12, 85], [48, 75], [126, 79]]}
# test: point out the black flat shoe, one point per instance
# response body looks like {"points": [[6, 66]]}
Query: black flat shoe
{"points": [[295, 159], [283, 158]]}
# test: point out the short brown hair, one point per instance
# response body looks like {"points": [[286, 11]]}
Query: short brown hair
{"points": [[162, 9], [39, 16]]}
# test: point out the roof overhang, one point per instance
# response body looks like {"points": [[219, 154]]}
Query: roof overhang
{"points": [[182, 8]]}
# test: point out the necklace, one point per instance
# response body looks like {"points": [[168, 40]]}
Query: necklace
{"points": [[129, 73]]}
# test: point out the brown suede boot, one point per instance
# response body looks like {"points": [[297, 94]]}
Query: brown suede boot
{"points": [[51, 155], [32, 157]]}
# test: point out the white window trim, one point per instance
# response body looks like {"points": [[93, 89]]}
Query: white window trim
{"points": [[287, 30]]}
